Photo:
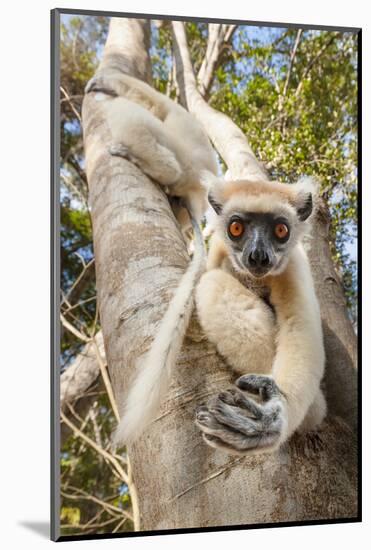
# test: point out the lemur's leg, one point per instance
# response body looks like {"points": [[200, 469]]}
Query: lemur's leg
{"points": [[141, 138], [240, 324], [138, 134]]}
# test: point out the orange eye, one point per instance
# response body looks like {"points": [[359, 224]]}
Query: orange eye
{"points": [[281, 231], [236, 228]]}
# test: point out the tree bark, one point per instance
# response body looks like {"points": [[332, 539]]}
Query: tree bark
{"points": [[82, 373], [340, 339], [140, 257]]}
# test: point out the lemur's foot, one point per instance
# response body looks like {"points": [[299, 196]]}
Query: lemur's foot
{"points": [[100, 84], [120, 150], [241, 425]]}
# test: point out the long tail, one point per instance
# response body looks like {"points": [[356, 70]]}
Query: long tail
{"points": [[152, 381]]}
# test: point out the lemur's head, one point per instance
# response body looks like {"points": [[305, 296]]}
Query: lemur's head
{"points": [[261, 221]]}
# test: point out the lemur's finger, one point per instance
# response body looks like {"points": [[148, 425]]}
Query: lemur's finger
{"points": [[250, 408], [257, 384], [235, 398], [234, 418], [211, 427]]}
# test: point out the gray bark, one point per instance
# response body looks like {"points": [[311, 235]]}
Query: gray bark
{"points": [[81, 374], [140, 257]]}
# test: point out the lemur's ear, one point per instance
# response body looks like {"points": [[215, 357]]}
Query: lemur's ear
{"points": [[304, 206], [307, 190], [214, 186], [218, 207]]}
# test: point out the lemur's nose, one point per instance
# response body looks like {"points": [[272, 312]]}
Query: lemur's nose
{"points": [[258, 258]]}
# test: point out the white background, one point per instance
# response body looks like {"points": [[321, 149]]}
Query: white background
{"points": [[24, 219]]}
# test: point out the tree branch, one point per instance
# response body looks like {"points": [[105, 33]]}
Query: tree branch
{"points": [[227, 138], [70, 103], [82, 373], [81, 282], [105, 454], [219, 38]]}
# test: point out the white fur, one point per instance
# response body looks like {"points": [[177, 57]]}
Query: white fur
{"points": [[234, 318]]}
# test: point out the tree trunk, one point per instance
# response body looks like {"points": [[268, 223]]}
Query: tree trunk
{"points": [[140, 257], [340, 339]]}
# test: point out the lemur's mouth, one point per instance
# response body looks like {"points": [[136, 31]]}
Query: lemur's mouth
{"points": [[256, 272]]}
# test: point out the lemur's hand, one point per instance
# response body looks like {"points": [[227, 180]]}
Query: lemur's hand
{"points": [[242, 425]]}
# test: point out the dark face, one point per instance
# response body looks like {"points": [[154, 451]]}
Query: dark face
{"points": [[258, 241]]}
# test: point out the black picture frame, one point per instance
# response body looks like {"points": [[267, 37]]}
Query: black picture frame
{"points": [[55, 272]]}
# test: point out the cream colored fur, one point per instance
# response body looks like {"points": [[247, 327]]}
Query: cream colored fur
{"points": [[287, 345], [160, 136]]}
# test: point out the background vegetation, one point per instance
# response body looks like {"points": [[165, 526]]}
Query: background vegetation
{"points": [[294, 94]]}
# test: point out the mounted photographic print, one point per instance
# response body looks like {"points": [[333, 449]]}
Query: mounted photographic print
{"points": [[205, 281]]}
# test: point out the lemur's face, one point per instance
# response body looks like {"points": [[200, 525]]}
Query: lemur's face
{"points": [[261, 223], [259, 242]]}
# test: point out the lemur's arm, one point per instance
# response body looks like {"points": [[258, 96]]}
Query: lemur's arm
{"points": [[237, 321], [299, 363]]}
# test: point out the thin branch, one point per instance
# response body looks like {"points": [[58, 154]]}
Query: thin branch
{"points": [[68, 99], [79, 304], [94, 526], [313, 62], [85, 273], [292, 58], [211, 476], [73, 330], [108, 507], [134, 497], [106, 380], [119, 525], [96, 447], [73, 188], [96, 428]]}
